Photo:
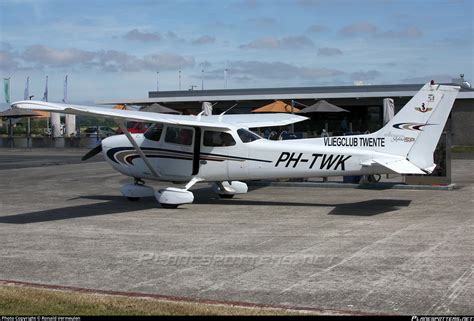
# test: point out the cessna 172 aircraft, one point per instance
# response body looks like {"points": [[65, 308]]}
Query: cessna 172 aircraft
{"points": [[221, 149]]}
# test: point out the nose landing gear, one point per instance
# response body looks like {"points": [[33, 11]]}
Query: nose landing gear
{"points": [[229, 189]]}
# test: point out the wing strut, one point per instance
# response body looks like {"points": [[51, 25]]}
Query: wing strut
{"points": [[123, 127]]}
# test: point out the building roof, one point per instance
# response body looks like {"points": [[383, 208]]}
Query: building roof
{"points": [[325, 92]]}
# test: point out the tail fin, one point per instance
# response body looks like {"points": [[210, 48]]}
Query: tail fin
{"points": [[415, 130]]}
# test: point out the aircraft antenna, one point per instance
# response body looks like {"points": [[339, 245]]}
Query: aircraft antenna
{"points": [[199, 115], [229, 109]]}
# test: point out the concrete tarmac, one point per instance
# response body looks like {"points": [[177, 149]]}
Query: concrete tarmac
{"points": [[374, 251]]}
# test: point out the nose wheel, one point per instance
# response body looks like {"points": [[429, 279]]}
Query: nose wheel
{"points": [[229, 189]]}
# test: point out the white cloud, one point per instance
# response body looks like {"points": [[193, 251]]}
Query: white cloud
{"points": [[142, 36], [278, 70], [291, 42], [203, 40], [56, 57], [166, 62], [262, 21], [358, 28], [316, 28], [365, 75], [8, 60], [327, 51], [409, 32], [105, 60]]}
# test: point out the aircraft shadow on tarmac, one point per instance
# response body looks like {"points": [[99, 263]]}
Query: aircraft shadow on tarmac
{"points": [[118, 204], [114, 205]]}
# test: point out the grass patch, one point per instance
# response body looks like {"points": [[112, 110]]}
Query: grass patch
{"points": [[21, 300], [462, 149]]}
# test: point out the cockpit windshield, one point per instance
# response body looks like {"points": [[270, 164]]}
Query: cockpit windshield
{"points": [[247, 136], [154, 132]]}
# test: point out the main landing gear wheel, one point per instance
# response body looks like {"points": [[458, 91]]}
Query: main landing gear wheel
{"points": [[226, 195], [172, 197], [169, 206], [133, 192]]}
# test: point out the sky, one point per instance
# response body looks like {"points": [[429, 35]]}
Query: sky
{"points": [[121, 49]]}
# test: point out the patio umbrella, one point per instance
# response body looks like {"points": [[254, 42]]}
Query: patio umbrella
{"points": [[20, 113], [276, 107], [120, 107], [157, 108], [322, 106]]}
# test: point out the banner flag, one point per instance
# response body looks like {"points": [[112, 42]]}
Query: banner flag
{"points": [[6, 89], [26, 95], [65, 90], [45, 95]]}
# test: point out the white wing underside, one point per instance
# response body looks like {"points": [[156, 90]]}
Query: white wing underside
{"points": [[214, 121]]}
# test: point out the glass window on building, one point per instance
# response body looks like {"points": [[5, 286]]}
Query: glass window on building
{"points": [[374, 118]]}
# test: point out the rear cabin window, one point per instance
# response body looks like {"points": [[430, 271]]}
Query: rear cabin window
{"points": [[247, 136], [181, 136], [217, 139], [154, 132]]}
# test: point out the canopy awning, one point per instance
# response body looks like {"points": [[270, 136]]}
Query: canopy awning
{"points": [[20, 113], [322, 106], [276, 107], [157, 108]]}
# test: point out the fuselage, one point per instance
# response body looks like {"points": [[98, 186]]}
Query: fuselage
{"points": [[245, 157]]}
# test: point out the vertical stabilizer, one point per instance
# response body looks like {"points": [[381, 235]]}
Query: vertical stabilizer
{"points": [[415, 130]]}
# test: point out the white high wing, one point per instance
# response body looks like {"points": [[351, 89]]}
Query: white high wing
{"points": [[220, 148]]}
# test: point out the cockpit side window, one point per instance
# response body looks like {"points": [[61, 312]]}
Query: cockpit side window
{"points": [[154, 132], [178, 135], [247, 136], [217, 139]]}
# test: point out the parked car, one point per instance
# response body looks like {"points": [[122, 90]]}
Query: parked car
{"points": [[135, 127], [99, 131]]}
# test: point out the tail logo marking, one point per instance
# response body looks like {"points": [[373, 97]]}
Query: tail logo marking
{"points": [[411, 126], [423, 108]]}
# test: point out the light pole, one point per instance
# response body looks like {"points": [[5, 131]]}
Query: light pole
{"points": [[202, 79], [225, 78], [157, 81], [179, 79]]}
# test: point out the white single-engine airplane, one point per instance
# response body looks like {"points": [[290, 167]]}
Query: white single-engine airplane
{"points": [[222, 150]]}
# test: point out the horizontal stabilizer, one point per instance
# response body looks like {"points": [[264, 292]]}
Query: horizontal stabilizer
{"points": [[400, 166]]}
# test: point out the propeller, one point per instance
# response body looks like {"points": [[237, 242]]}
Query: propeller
{"points": [[92, 152]]}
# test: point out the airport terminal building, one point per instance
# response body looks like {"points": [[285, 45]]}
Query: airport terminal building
{"points": [[364, 103]]}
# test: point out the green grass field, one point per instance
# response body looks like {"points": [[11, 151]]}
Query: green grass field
{"points": [[16, 300]]}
